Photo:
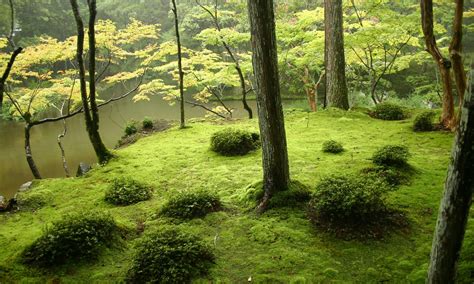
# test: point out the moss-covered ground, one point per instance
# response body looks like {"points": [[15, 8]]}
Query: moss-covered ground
{"points": [[278, 246]]}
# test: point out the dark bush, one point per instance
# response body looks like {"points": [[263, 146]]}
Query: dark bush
{"points": [[147, 123], [125, 191], [76, 237], [131, 128], [234, 142], [389, 111], [332, 146], [188, 205], [170, 256], [391, 155], [424, 121], [348, 199]]}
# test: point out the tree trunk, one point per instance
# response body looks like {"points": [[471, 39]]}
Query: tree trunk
{"points": [[336, 85], [276, 175], [444, 65], [455, 51], [454, 209], [6, 73], [310, 91], [29, 154], [180, 64]]}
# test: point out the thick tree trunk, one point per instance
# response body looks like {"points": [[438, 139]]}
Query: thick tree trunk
{"points": [[454, 209], [6, 73], [336, 84], [180, 65], [455, 51], [276, 175], [444, 65], [29, 154]]}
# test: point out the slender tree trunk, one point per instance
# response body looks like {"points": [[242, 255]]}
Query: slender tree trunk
{"points": [[276, 175], [455, 51], [336, 84], [244, 91], [61, 147], [454, 209], [444, 65], [180, 65], [310, 91], [6, 73], [29, 154]]}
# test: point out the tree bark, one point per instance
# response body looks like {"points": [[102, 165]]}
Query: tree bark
{"points": [[6, 73], [456, 50], [276, 175], [454, 209], [336, 84], [444, 65], [180, 65], [29, 154]]}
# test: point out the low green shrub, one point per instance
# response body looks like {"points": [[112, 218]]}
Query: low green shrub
{"points": [[189, 205], [125, 191], [389, 111], [348, 199], [131, 128], [392, 176], [147, 123], [170, 256], [391, 155], [76, 237], [332, 146], [424, 121], [234, 142]]}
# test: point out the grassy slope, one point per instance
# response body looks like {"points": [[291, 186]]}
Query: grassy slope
{"points": [[278, 246]]}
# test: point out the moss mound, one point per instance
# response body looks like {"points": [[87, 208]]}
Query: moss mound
{"points": [[388, 111], [125, 191], [333, 147], [424, 121], [76, 237], [189, 205], [170, 256], [234, 142], [391, 156]]}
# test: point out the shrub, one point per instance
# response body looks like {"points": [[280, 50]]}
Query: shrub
{"points": [[424, 121], [388, 111], [124, 191], [147, 123], [234, 142], [296, 194], [188, 205], [170, 256], [131, 128], [76, 237], [391, 155], [392, 176], [348, 199], [332, 146]]}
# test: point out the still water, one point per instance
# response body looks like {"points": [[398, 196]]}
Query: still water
{"points": [[14, 170]]}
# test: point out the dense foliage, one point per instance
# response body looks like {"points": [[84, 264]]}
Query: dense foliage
{"points": [[424, 121], [389, 111], [188, 205], [75, 237], [391, 155], [126, 191], [170, 256], [234, 142], [332, 146]]}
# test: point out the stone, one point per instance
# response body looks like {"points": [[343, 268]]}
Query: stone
{"points": [[26, 186], [83, 169], [3, 204]]}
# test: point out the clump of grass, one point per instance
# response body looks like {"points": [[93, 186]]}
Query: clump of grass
{"points": [[126, 191], [234, 142], [170, 256], [389, 111], [332, 146], [391, 156], [76, 237], [189, 205], [424, 121]]}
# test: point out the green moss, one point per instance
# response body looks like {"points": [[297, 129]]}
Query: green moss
{"points": [[176, 160]]}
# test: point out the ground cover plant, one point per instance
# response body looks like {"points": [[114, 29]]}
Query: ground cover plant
{"points": [[234, 142], [281, 245], [127, 191], [188, 205]]}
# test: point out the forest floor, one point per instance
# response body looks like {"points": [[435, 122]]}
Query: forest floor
{"points": [[278, 246]]}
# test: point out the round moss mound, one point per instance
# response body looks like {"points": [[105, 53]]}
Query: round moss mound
{"points": [[76, 237], [125, 191], [424, 121], [389, 111], [234, 142], [391, 156], [189, 205], [170, 256], [332, 146], [294, 196]]}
